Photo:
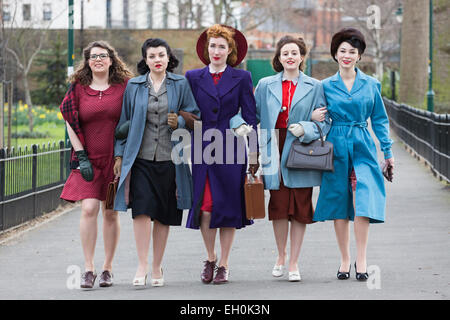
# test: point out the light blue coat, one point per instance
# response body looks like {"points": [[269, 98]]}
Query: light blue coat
{"points": [[307, 97], [134, 108], [354, 148]]}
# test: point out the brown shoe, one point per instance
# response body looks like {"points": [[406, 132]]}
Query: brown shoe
{"points": [[88, 279], [106, 279], [221, 276], [208, 271]]}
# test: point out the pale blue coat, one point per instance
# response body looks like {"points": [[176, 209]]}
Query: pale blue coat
{"points": [[354, 148], [134, 108], [307, 97]]}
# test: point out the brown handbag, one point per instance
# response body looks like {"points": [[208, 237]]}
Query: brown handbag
{"points": [[316, 155], [254, 197], [111, 194]]}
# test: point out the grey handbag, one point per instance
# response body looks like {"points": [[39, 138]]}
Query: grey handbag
{"points": [[316, 155]]}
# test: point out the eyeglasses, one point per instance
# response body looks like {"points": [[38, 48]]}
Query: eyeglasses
{"points": [[102, 56]]}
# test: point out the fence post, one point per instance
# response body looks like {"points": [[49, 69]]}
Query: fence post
{"points": [[61, 161], [2, 185], [393, 98], [34, 177]]}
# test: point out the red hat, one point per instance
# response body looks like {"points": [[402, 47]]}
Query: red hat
{"points": [[239, 39]]}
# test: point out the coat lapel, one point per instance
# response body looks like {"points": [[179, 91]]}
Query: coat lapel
{"points": [[338, 83], [276, 89], [304, 86], [142, 97], [170, 86], [360, 81], [207, 84], [227, 82]]}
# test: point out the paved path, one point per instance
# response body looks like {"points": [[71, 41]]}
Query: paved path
{"points": [[410, 251]]}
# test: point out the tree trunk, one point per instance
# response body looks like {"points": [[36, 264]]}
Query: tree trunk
{"points": [[414, 52], [379, 65], [28, 101]]}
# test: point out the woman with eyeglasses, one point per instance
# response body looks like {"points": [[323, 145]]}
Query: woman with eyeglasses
{"points": [[91, 109]]}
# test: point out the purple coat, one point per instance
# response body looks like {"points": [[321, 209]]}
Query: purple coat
{"points": [[218, 104]]}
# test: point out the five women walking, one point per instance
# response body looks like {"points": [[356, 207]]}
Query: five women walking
{"points": [[216, 104]]}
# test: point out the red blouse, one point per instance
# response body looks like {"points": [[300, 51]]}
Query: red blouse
{"points": [[288, 92], [216, 77]]}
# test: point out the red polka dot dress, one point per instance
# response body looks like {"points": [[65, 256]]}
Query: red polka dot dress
{"points": [[99, 113]]}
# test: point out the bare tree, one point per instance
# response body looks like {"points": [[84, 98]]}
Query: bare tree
{"points": [[22, 44], [376, 19]]}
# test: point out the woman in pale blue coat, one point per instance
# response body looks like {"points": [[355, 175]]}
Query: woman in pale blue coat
{"points": [[154, 184], [355, 190], [285, 106]]}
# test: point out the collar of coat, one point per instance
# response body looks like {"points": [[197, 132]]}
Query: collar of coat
{"points": [[142, 79], [360, 80], [231, 77], [304, 86]]}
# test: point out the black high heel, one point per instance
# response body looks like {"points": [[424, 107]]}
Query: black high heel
{"points": [[361, 276], [343, 275]]}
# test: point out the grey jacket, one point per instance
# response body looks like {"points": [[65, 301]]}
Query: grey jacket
{"points": [[134, 108]]}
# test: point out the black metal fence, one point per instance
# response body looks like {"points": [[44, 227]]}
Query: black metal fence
{"points": [[426, 133], [31, 181]]}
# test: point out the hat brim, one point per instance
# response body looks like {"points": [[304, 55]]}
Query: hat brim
{"points": [[239, 39]]}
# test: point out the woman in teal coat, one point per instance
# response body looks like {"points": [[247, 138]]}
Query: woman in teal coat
{"points": [[355, 190], [156, 185]]}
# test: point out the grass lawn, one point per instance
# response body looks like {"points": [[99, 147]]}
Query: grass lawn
{"points": [[55, 133], [19, 172]]}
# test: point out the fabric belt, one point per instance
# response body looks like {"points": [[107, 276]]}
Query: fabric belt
{"points": [[351, 124]]}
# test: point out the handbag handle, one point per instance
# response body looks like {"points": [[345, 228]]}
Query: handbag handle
{"points": [[320, 132]]}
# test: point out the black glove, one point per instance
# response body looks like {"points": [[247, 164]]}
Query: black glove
{"points": [[122, 131], [87, 172]]}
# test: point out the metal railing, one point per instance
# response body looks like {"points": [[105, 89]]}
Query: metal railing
{"points": [[31, 181], [425, 133]]}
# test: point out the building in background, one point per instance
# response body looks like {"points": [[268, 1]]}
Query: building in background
{"points": [[116, 14]]}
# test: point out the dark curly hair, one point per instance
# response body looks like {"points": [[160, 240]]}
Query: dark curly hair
{"points": [[276, 64], [142, 66], [118, 71], [351, 35]]}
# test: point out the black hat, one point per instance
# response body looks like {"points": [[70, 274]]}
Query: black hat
{"points": [[350, 35]]}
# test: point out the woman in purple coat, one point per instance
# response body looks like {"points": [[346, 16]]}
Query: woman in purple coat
{"points": [[219, 165]]}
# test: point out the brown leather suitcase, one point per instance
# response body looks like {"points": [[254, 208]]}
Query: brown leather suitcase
{"points": [[254, 197]]}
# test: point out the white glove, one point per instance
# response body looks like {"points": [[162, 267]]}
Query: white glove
{"points": [[296, 129], [243, 130]]}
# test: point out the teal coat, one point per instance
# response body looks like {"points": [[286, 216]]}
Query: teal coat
{"points": [[307, 97], [354, 148], [134, 108]]}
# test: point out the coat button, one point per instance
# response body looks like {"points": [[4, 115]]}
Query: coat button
{"points": [[215, 110], [156, 99], [349, 98]]}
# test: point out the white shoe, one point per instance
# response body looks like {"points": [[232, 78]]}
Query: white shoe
{"points": [[294, 276], [158, 282], [278, 270], [139, 281]]}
